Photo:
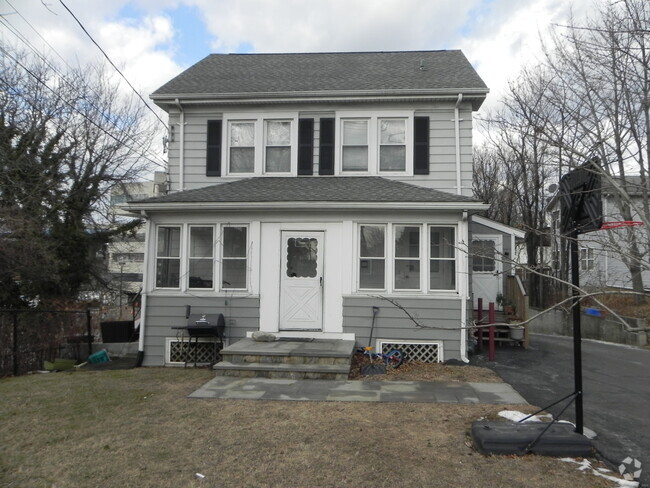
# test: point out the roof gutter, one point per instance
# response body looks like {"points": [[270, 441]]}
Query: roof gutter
{"points": [[478, 95], [137, 207]]}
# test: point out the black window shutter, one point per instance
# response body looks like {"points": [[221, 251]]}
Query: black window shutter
{"points": [[421, 146], [213, 159], [306, 146], [326, 158]]}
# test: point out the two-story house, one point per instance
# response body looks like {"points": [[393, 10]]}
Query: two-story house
{"points": [[308, 188]]}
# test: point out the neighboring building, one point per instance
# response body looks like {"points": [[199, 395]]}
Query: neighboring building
{"points": [[306, 188], [603, 252], [493, 257], [125, 254]]}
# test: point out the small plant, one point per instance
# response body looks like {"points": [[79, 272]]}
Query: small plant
{"points": [[500, 299]]}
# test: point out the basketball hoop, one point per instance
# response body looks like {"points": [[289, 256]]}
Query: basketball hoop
{"points": [[618, 224]]}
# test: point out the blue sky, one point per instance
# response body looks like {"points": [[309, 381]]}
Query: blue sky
{"points": [[154, 40]]}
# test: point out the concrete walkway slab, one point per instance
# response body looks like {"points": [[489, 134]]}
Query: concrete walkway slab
{"points": [[232, 388]]}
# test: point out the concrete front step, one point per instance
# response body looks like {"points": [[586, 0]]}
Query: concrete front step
{"points": [[283, 370], [301, 359]]}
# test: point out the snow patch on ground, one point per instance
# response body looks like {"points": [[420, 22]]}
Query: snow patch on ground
{"points": [[585, 465], [516, 416]]}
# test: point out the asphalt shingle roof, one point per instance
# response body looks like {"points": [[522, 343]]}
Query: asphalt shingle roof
{"points": [[311, 189], [297, 73]]}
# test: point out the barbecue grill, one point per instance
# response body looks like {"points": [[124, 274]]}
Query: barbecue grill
{"points": [[207, 326]]}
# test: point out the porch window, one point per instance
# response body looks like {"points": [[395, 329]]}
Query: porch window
{"points": [[201, 257], [234, 262], [407, 257], [278, 146], [242, 147], [372, 257], [168, 257], [355, 145], [442, 258], [392, 145]]}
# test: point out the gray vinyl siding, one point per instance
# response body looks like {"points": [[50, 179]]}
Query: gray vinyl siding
{"points": [[393, 324], [442, 147], [165, 312]]}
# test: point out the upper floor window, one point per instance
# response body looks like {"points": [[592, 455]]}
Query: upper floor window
{"points": [[377, 145], [354, 155], [242, 147], [392, 145], [278, 146], [586, 259]]}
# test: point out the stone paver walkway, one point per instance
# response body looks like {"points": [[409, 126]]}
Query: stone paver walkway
{"points": [[232, 388]]}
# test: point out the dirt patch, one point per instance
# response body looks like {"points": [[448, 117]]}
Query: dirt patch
{"points": [[419, 371], [138, 428]]}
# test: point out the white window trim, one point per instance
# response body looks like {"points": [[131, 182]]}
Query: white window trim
{"points": [[394, 258], [358, 257], [221, 258], [180, 258], [259, 120], [425, 257], [293, 146], [189, 258], [454, 259], [589, 259], [373, 119], [217, 260]]}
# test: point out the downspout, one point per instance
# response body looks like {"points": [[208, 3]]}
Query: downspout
{"points": [[143, 295], [464, 293], [181, 150], [457, 130]]}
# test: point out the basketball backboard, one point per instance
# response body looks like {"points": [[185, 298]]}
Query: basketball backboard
{"points": [[581, 205]]}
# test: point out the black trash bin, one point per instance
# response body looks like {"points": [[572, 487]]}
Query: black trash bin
{"points": [[118, 331]]}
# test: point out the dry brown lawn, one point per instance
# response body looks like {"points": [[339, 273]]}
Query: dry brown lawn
{"points": [[419, 371], [137, 428]]}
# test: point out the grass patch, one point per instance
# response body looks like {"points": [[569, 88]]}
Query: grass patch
{"points": [[136, 427]]}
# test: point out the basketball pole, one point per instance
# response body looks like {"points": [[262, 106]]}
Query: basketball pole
{"points": [[577, 334]]}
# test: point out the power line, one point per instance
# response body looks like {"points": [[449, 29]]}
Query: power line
{"points": [[70, 105], [91, 103], [113, 64]]}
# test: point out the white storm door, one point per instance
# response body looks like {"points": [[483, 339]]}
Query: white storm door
{"points": [[301, 281], [487, 276]]}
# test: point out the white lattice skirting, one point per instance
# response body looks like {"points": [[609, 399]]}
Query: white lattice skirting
{"points": [[177, 351], [425, 351]]}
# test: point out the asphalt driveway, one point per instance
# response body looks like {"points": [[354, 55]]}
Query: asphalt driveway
{"points": [[616, 382]]}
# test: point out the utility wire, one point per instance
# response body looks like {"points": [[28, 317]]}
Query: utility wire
{"points": [[53, 67], [39, 80], [113, 64]]}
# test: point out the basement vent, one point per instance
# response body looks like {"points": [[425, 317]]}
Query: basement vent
{"points": [[426, 352], [179, 351]]}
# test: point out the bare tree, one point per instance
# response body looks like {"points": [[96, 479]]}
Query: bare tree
{"points": [[66, 138]]}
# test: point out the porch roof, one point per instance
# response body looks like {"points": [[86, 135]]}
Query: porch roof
{"points": [[309, 192]]}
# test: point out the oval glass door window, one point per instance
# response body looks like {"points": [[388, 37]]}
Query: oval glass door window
{"points": [[302, 254]]}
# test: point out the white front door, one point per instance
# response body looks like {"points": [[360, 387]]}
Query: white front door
{"points": [[301, 281], [487, 276]]}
